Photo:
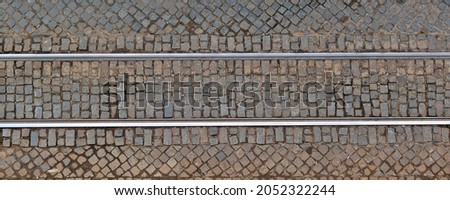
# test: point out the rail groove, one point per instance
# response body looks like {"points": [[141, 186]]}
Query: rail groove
{"points": [[225, 56], [223, 122]]}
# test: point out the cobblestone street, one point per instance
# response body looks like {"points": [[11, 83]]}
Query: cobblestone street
{"points": [[246, 161], [215, 89], [225, 18]]}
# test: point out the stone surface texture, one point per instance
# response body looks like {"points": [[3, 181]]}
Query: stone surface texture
{"points": [[318, 88]]}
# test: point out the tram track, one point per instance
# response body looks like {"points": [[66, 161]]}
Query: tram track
{"points": [[224, 122], [225, 56]]}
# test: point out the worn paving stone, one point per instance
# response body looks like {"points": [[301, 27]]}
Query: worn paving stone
{"points": [[81, 100], [364, 88], [284, 161], [70, 138], [52, 138], [90, 134], [261, 135], [226, 18], [34, 138]]}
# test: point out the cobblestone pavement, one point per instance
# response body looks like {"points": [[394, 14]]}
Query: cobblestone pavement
{"points": [[373, 135], [345, 88], [224, 18], [202, 26], [227, 89], [277, 161], [397, 152], [137, 42]]}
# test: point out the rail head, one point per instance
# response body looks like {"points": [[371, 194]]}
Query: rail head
{"points": [[225, 56], [222, 122]]}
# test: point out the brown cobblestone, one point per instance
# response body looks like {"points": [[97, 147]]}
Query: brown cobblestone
{"points": [[65, 90], [289, 45]]}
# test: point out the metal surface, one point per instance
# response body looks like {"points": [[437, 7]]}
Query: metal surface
{"points": [[225, 56], [229, 122]]}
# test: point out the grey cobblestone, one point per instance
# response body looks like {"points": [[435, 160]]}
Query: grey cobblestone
{"points": [[289, 43], [260, 136], [6, 133], [282, 161], [63, 19], [63, 90], [90, 135], [391, 135], [167, 136], [52, 138], [394, 96], [34, 138], [279, 134], [148, 137], [185, 136], [15, 139], [70, 138]]}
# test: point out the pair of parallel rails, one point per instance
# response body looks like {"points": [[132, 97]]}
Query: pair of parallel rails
{"points": [[224, 122]]}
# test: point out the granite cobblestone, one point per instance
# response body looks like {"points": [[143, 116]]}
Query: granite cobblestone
{"points": [[209, 43], [224, 18], [63, 90], [186, 136], [365, 88], [407, 160]]}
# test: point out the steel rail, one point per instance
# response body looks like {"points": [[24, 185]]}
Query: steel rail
{"points": [[222, 122], [224, 56]]}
